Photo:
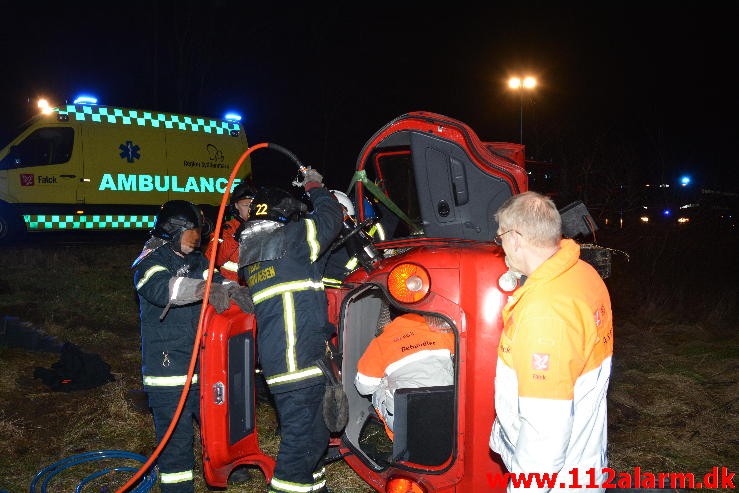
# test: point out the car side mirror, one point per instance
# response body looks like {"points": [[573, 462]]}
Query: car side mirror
{"points": [[576, 220]]}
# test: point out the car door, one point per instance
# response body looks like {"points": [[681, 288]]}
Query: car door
{"points": [[227, 396]]}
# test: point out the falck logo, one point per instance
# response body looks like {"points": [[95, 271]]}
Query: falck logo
{"points": [[130, 151], [26, 180], [540, 362]]}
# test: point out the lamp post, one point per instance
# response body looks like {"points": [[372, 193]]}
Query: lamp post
{"points": [[527, 83]]}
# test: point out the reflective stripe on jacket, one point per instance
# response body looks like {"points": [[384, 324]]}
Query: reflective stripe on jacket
{"points": [[554, 364]]}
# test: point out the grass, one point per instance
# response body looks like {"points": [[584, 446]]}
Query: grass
{"points": [[85, 295], [673, 400]]}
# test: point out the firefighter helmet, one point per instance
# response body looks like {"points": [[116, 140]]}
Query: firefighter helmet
{"points": [[241, 191], [177, 216], [345, 202], [275, 204]]}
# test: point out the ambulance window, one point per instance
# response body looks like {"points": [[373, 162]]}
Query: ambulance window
{"points": [[45, 146]]}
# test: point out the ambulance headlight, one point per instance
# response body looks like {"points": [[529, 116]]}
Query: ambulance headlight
{"points": [[43, 105]]}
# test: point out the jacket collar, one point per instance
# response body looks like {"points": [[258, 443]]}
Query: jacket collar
{"points": [[567, 256]]}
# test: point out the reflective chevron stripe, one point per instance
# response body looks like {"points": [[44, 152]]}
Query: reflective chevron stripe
{"points": [[176, 477], [174, 381], [147, 275], [286, 287]]}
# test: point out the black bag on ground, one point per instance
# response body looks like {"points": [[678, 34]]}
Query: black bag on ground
{"points": [[75, 370]]}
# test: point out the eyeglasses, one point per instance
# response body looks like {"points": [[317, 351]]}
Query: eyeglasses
{"points": [[498, 239]]}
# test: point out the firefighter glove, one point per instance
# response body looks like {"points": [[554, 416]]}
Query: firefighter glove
{"points": [[219, 298], [311, 179], [241, 296]]}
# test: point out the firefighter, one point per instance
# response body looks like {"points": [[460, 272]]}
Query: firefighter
{"points": [[339, 263], [226, 248], [169, 280], [357, 250], [412, 351], [279, 258], [554, 355]]}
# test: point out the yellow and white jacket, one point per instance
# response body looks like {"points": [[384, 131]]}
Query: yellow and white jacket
{"points": [[554, 364]]}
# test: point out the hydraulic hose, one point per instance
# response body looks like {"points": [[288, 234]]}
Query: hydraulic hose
{"points": [[211, 267], [44, 476]]}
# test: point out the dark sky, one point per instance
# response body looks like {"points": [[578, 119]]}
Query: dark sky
{"points": [[320, 79]]}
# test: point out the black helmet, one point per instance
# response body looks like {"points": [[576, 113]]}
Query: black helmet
{"points": [[275, 204], [175, 217], [241, 191]]}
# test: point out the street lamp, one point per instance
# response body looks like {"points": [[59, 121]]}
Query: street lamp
{"points": [[519, 84]]}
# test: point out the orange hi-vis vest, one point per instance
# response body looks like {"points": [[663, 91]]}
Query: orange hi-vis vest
{"points": [[408, 354], [554, 364], [226, 250]]}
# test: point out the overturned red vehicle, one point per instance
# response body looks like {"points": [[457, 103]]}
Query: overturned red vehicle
{"points": [[434, 187]]}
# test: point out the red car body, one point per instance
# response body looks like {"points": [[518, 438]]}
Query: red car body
{"points": [[434, 187]]}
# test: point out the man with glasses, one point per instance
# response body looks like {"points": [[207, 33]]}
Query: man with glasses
{"points": [[554, 356]]}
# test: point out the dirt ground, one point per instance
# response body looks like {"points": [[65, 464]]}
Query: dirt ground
{"points": [[673, 399]]}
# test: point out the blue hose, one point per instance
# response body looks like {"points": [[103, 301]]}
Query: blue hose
{"points": [[45, 475]]}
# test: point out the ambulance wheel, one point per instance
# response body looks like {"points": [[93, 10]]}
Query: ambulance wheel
{"points": [[11, 228]]}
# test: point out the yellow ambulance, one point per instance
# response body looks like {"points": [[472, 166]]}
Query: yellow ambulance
{"points": [[84, 166]]}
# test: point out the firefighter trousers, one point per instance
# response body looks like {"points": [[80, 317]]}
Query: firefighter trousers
{"points": [[303, 442], [176, 462]]}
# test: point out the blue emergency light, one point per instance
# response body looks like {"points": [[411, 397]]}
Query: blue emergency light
{"points": [[232, 117], [85, 99]]}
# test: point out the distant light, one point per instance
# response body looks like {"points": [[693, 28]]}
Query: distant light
{"points": [[685, 181], [232, 117], [666, 212], [644, 219], [683, 220], [527, 82], [84, 99]]}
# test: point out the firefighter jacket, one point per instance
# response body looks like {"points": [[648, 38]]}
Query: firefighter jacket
{"points": [[226, 250], [289, 299], [407, 354], [338, 265], [167, 344], [554, 364], [340, 262]]}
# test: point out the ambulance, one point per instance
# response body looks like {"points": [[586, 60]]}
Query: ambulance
{"points": [[90, 167]]}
